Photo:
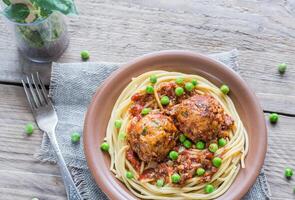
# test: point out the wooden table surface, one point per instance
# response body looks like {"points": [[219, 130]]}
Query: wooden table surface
{"points": [[262, 30]]}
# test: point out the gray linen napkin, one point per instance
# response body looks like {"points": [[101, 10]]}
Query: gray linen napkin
{"points": [[71, 89]]}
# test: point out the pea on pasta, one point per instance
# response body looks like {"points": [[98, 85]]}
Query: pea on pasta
{"points": [[176, 136]]}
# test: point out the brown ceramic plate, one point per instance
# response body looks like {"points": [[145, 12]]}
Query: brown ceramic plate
{"points": [[101, 107]]}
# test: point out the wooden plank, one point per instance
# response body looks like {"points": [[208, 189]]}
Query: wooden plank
{"points": [[17, 162], [22, 176], [23, 185], [118, 31], [281, 139], [121, 30]]}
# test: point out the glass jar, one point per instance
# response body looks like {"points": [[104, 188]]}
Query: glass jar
{"points": [[42, 41]]}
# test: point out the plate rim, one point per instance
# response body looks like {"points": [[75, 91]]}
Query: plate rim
{"points": [[115, 193]]}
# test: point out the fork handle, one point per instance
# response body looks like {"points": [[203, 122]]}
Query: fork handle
{"points": [[71, 189]]}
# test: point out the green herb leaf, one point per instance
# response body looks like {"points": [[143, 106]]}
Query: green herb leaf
{"points": [[64, 6], [17, 12], [7, 2], [44, 12]]}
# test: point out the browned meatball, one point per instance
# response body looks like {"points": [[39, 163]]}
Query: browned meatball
{"points": [[201, 117], [152, 136]]}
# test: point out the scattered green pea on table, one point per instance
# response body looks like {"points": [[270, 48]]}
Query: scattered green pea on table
{"points": [[75, 137], [288, 172], [273, 118], [85, 55], [29, 128], [282, 68]]}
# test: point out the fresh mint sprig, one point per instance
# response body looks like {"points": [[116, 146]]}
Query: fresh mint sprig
{"points": [[31, 10]]}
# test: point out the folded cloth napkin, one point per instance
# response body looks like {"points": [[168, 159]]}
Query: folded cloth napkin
{"points": [[71, 88]]}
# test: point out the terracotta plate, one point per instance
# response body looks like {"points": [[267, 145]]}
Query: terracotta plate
{"points": [[101, 106]]}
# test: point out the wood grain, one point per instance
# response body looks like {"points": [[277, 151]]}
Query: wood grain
{"points": [[22, 176], [281, 139], [23, 185], [20, 173], [118, 31]]}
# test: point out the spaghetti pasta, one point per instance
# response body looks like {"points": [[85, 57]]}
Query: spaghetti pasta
{"points": [[232, 154]]}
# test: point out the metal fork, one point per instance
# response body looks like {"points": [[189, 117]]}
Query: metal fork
{"points": [[46, 119]]}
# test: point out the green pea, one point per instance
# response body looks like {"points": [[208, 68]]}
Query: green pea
{"points": [[200, 171], [175, 178], [85, 55], [222, 142], [160, 183], [213, 147], [118, 123], [187, 144], [179, 80], [149, 89], [209, 189], [153, 79], [189, 86], [179, 91], [144, 131], [105, 146], [282, 68], [224, 89], [29, 128], [173, 155], [217, 162], [182, 138], [288, 172], [165, 100], [273, 118], [194, 82], [145, 111], [129, 175], [122, 135], [200, 145], [75, 137]]}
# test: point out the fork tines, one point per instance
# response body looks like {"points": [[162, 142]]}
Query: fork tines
{"points": [[35, 91]]}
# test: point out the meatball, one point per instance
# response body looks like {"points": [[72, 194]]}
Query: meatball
{"points": [[152, 136], [201, 117]]}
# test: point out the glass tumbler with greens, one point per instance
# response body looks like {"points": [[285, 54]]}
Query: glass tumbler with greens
{"points": [[39, 27], [44, 40]]}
